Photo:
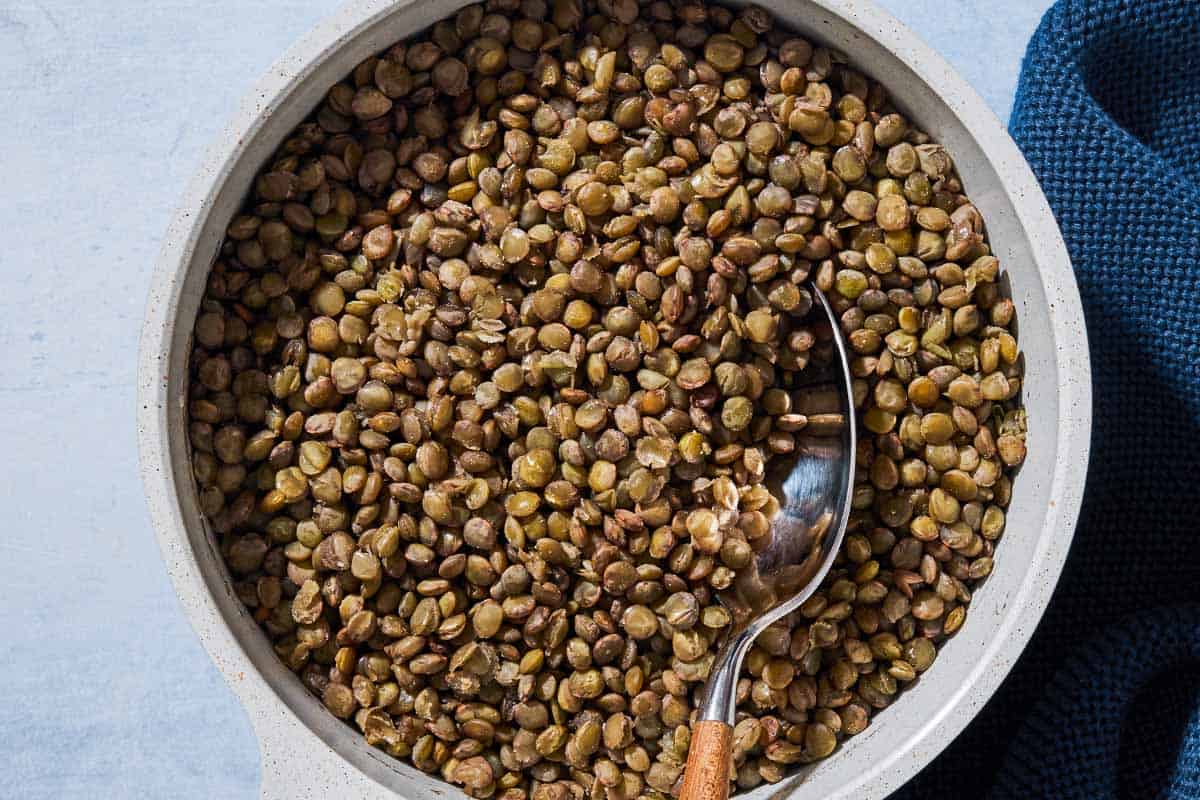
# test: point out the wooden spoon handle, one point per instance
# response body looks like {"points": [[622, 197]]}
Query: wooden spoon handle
{"points": [[706, 776]]}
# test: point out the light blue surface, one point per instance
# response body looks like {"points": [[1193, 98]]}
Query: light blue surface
{"points": [[108, 107]]}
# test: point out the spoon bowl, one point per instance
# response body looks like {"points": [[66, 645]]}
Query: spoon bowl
{"points": [[813, 489]]}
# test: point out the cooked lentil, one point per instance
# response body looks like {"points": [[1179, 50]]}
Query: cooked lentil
{"points": [[490, 366]]}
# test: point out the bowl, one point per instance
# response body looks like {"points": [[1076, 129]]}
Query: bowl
{"points": [[308, 752]]}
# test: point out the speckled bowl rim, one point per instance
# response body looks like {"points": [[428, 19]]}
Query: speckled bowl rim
{"points": [[308, 753]]}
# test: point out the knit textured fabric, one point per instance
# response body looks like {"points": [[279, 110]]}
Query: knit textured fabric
{"points": [[1105, 701]]}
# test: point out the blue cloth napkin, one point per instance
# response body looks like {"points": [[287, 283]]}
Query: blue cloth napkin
{"points": [[1105, 702]]}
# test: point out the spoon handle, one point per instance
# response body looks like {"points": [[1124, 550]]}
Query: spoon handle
{"points": [[706, 776]]}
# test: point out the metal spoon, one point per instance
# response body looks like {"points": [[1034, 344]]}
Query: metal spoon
{"points": [[814, 491]]}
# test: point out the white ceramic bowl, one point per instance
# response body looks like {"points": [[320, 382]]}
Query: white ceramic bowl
{"points": [[306, 751]]}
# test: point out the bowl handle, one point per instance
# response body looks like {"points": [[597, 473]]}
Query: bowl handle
{"points": [[297, 765]]}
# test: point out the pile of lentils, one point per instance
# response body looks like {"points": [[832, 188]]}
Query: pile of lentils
{"points": [[490, 367]]}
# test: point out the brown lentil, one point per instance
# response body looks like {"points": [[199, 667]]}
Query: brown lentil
{"points": [[489, 369]]}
